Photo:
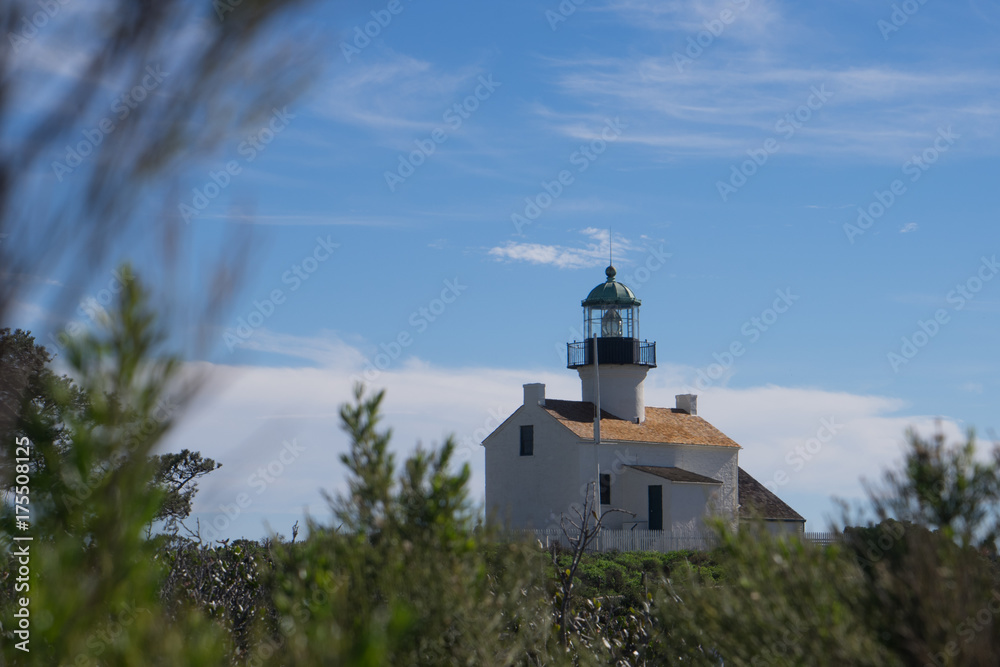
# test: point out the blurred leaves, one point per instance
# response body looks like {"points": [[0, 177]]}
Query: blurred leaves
{"points": [[105, 106], [90, 504]]}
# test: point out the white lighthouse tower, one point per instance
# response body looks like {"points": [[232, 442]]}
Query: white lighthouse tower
{"points": [[612, 361]]}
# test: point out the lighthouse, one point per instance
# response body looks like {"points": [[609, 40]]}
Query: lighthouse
{"points": [[612, 360], [667, 468]]}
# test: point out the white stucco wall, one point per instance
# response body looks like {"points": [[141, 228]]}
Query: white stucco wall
{"points": [[524, 491], [685, 505], [719, 463]]}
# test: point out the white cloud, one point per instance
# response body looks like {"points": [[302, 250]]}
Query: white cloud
{"points": [[595, 252], [561, 257], [909, 227], [247, 414]]}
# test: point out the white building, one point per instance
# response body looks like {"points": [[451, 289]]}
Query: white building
{"points": [[666, 467]]}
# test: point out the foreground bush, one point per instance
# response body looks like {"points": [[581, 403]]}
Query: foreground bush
{"points": [[405, 574], [405, 578]]}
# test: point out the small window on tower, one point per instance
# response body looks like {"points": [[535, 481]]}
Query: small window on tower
{"points": [[527, 440], [606, 489]]}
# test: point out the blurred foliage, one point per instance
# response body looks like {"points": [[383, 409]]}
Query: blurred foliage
{"points": [[781, 602], [406, 574], [404, 578], [104, 108], [944, 488], [95, 582]]}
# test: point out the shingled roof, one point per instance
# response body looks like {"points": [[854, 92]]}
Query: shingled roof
{"points": [[757, 501], [676, 474], [662, 425]]}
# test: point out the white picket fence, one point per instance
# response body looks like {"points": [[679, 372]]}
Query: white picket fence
{"points": [[823, 538], [625, 540], [637, 539]]}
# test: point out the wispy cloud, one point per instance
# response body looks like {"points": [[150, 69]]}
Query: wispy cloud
{"points": [[909, 227], [594, 252], [398, 93], [306, 220], [752, 21], [754, 69], [325, 349]]}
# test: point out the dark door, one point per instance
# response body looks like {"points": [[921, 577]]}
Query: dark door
{"points": [[656, 507]]}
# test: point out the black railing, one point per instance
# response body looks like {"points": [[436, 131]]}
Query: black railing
{"points": [[611, 351]]}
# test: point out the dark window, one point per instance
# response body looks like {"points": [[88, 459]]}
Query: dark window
{"points": [[605, 489], [656, 507], [527, 440]]}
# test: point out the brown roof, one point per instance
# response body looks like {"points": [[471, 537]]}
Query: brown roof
{"points": [[676, 474], [662, 425], [757, 501]]}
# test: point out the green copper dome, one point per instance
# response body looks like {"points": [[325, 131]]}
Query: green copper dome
{"points": [[611, 293]]}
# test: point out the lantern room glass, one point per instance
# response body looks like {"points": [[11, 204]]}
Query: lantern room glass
{"points": [[611, 321]]}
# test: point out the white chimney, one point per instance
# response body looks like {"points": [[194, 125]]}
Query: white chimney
{"points": [[687, 403], [534, 394]]}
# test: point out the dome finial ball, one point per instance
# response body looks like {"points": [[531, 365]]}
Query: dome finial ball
{"points": [[610, 272]]}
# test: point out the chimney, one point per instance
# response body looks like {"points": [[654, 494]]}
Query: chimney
{"points": [[687, 403], [534, 394]]}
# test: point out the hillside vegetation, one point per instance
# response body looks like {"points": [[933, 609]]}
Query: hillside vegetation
{"points": [[404, 573]]}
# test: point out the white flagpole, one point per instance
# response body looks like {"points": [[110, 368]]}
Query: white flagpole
{"points": [[597, 396]]}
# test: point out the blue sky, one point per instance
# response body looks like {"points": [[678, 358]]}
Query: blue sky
{"points": [[844, 153]]}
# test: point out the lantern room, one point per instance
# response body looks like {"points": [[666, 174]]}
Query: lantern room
{"points": [[611, 310], [611, 315]]}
